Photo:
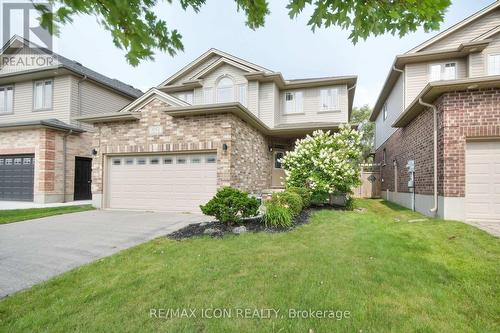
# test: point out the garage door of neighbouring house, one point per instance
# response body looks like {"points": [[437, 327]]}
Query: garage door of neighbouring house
{"points": [[17, 177], [177, 183], [482, 173]]}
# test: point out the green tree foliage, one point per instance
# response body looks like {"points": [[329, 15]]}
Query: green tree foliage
{"points": [[361, 116], [136, 28]]}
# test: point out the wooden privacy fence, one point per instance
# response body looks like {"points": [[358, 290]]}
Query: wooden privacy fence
{"points": [[370, 182]]}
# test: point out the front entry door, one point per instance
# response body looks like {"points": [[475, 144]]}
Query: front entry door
{"points": [[278, 173], [83, 178]]}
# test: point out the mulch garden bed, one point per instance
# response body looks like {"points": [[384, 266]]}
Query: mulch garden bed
{"points": [[255, 224]]}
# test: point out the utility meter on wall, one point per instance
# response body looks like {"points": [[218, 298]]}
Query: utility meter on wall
{"points": [[410, 166]]}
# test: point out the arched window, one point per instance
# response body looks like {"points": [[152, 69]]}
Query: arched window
{"points": [[225, 90]]}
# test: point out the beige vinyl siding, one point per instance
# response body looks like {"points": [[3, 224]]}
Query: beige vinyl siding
{"points": [[417, 76], [253, 97], [467, 33], [478, 64], [267, 92], [23, 102], [394, 102], [187, 76], [97, 99], [236, 74], [311, 107]]}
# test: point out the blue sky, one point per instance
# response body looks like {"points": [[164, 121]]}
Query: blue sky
{"points": [[284, 45]]}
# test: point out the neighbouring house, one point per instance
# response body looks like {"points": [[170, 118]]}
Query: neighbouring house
{"points": [[454, 77], [45, 153], [219, 121]]}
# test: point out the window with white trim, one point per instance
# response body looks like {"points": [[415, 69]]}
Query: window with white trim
{"points": [[329, 99], [225, 90], [242, 94], [42, 95], [447, 71], [293, 102], [494, 64], [6, 99], [208, 95], [186, 97], [384, 112]]}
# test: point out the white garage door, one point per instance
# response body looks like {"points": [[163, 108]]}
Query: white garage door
{"points": [[482, 184], [176, 183]]}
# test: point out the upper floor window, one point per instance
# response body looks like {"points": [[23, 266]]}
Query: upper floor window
{"points": [[42, 96], [242, 94], [446, 71], [293, 102], [494, 64], [225, 90], [186, 97], [329, 99], [6, 99], [384, 112]]}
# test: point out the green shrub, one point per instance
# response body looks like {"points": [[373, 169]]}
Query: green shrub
{"points": [[319, 198], [304, 193], [289, 200], [277, 215], [230, 205]]}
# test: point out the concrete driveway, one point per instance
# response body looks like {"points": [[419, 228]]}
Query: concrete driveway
{"points": [[36, 250]]}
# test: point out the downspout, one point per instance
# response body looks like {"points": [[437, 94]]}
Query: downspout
{"points": [[64, 161], [434, 110]]}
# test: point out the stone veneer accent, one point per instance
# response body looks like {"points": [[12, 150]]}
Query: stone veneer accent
{"points": [[47, 145], [245, 164], [462, 115]]}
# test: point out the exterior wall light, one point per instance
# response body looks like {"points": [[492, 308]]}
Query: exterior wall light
{"points": [[224, 147], [94, 152]]}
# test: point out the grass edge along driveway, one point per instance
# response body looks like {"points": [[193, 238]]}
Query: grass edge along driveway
{"points": [[18, 215], [390, 274]]}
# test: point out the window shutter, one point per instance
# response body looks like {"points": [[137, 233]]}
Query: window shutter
{"points": [[324, 99], [47, 103], [335, 98], [208, 96]]}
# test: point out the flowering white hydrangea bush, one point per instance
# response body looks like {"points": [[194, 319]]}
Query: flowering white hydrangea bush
{"points": [[325, 162]]}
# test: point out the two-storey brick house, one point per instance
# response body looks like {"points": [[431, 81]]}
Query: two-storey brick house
{"points": [[440, 108], [45, 154], [219, 121]]}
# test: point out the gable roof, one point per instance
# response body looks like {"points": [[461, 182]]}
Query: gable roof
{"points": [[418, 54], [456, 27], [207, 55], [150, 95], [73, 66], [216, 64]]}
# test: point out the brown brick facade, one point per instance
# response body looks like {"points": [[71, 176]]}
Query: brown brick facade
{"points": [[462, 116], [245, 164], [47, 145]]}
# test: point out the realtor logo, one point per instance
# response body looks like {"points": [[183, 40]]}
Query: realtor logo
{"points": [[21, 18]]}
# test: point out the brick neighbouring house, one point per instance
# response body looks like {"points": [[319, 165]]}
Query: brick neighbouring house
{"points": [[220, 121], [45, 154], [458, 72]]}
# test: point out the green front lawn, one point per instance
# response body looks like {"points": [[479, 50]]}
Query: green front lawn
{"points": [[16, 215], [431, 276]]}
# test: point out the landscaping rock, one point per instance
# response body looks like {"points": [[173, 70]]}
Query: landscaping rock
{"points": [[239, 230], [211, 231], [360, 210]]}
